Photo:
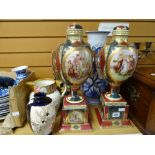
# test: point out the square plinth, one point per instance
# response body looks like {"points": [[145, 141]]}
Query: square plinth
{"points": [[75, 116], [113, 109], [113, 112]]}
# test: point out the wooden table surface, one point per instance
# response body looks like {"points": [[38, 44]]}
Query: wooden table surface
{"points": [[97, 130]]}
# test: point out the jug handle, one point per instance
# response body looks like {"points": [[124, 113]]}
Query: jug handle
{"points": [[30, 83], [65, 89]]}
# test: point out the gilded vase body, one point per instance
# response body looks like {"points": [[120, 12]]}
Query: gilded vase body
{"points": [[121, 59], [116, 62], [73, 59]]}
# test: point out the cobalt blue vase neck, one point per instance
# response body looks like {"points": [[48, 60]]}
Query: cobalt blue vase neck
{"points": [[40, 99]]}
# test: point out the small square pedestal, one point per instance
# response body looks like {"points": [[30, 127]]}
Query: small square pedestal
{"points": [[113, 112], [75, 116]]}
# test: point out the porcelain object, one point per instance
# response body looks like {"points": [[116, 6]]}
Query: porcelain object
{"points": [[47, 86], [41, 114], [121, 59], [73, 61], [21, 73], [94, 85]]}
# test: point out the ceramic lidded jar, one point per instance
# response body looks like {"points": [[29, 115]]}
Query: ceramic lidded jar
{"points": [[121, 60], [41, 114], [95, 85], [74, 61]]}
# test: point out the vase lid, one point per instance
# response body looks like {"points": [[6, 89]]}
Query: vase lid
{"points": [[121, 30], [74, 29]]}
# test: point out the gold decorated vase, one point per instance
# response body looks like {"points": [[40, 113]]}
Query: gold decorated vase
{"points": [[73, 61], [120, 61]]}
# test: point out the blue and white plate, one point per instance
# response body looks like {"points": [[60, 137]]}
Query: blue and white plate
{"points": [[4, 92], [4, 100], [4, 107], [2, 112], [3, 116], [4, 104]]}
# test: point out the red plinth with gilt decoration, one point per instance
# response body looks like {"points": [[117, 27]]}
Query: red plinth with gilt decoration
{"points": [[113, 112], [75, 116]]}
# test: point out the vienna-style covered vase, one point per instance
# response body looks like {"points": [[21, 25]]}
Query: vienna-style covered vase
{"points": [[121, 59], [73, 61], [95, 85], [41, 114]]}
